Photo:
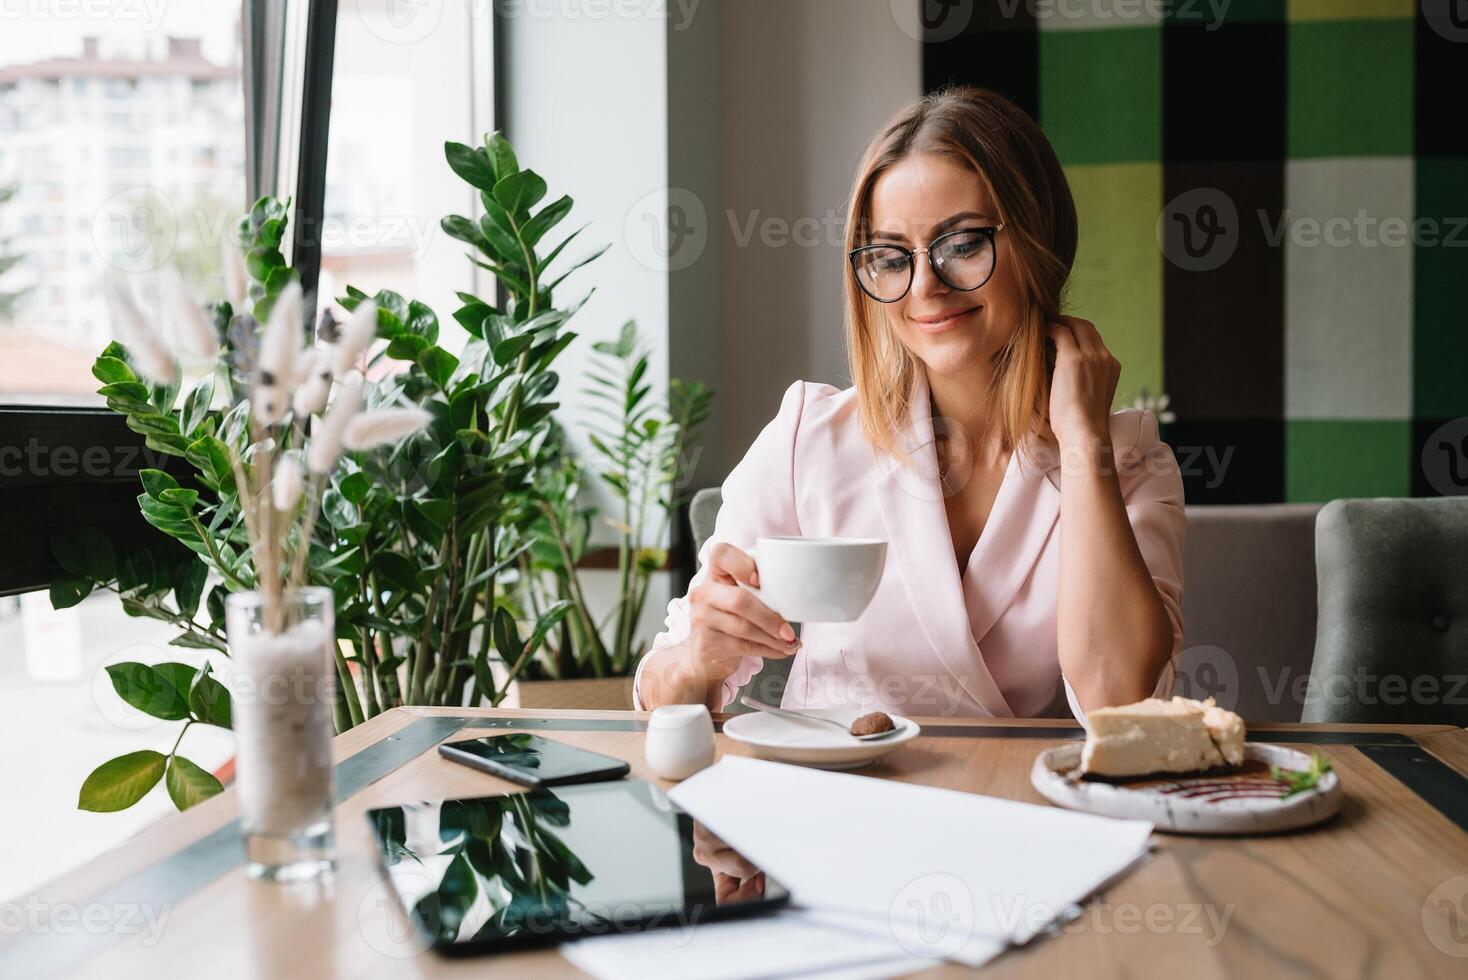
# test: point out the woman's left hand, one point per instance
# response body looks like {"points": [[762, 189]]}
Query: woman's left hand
{"points": [[1083, 385]]}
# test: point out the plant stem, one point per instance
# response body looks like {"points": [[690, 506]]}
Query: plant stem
{"points": [[179, 740], [367, 654], [308, 531], [389, 693], [597, 653], [512, 672], [437, 682], [215, 555], [367, 647], [419, 666], [349, 686], [486, 630], [220, 640]]}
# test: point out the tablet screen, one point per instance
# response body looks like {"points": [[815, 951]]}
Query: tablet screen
{"points": [[552, 864]]}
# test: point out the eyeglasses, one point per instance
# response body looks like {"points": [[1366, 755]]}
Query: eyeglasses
{"points": [[962, 260]]}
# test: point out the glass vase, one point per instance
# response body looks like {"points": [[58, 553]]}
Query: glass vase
{"points": [[282, 689]]}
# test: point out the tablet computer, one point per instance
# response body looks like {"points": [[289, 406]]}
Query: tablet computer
{"points": [[553, 864]]}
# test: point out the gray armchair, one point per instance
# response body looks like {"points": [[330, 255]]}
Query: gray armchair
{"points": [[1249, 607], [1392, 641]]}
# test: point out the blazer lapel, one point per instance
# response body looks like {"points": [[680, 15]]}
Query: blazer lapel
{"points": [[1020, 524], [919, 541]]}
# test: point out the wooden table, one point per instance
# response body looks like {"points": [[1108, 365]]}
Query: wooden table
{"points": [[1379, 891]]}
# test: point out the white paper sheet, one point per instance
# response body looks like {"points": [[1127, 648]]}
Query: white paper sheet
{"points": [[785, 943], [960, 871]]}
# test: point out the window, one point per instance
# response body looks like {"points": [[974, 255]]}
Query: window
{"points": [[85, 105], [123, 206], [402, 84]]}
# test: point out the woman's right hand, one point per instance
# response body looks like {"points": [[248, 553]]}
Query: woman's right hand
{"points": [[727, 623]]}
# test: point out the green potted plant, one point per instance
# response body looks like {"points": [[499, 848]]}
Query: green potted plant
{"points": [[413, 538]]}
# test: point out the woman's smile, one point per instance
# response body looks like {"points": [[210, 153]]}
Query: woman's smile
{"points": [[940, 321]]}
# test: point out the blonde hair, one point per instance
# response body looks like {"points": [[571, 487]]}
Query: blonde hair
{"points": [[1007, 150]]}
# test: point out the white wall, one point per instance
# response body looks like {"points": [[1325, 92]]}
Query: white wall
{"points": [[586, 107]]}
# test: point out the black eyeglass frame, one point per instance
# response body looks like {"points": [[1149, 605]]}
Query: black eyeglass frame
{"points": [[991, 231]]}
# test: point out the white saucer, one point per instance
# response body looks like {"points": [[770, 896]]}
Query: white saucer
{"points": [[814, 744], [1244, 802]]}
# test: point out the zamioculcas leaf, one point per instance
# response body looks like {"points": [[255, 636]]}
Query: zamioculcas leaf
{"points": [[148, 690], [157, 481], [471, 315], [506, 636], [188, 784], [84, 552], [66, 593], [548, 217], [439, 365], [519, 192], [209, 700], [461, 228], [181, 676], [198, 641], [355, 486], [119, 783], [211, 456], [109, 370], [501, 155], [196, 405], [188, 585], [470, 164]]}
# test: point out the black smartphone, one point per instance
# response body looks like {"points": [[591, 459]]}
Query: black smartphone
{"points": [[534, 761]]}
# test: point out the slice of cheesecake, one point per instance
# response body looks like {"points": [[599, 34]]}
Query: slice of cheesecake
{"points": [[1154, 736]]}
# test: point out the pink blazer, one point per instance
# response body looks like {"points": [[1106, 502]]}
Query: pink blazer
{"points": [[933, 642]]}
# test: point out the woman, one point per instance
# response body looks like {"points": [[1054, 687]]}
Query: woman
{"points": [[1034, 538]]}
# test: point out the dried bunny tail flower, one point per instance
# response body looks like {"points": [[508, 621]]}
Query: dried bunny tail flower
{"points": [[275, 365], [325, 447], [384, 426], [150, 355], [288, 483], [304, 365], [195, 333], [314, 382], [236, 278], [355, 336]]}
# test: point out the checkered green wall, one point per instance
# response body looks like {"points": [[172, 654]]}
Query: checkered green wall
{"points": [[1274, 221]]}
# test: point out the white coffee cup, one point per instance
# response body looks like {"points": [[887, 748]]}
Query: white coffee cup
{"points": [[818, 580]]}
